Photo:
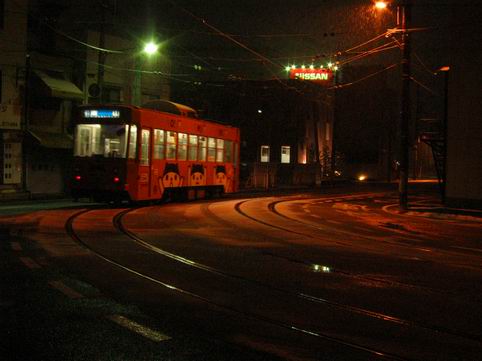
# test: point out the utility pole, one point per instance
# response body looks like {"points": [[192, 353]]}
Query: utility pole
{"points": [[25, 119], [137, 83], [101, 57], [446, 70], [336, 94], [405, 12]]}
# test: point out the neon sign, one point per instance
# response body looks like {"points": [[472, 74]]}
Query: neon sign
{"points": [[317, 75], [101, 113]]}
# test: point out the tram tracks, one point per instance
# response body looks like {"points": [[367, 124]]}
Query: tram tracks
{"points": [[119, 226], [336, 230], [336, 270], [69, 227]]}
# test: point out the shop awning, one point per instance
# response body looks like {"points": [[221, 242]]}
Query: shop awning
{"points": [[60, 88], [53, 140]]}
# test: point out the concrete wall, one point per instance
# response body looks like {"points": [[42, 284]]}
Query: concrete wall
{"points": [[464, 161]]}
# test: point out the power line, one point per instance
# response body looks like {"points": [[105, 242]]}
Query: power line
{"points": [[424, 86], [365, 77]]}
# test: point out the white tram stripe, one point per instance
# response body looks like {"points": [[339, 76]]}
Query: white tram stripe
{"points": [[138, 328], [66, 290], [30, 263]]}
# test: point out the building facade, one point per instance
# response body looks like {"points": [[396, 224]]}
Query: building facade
{"points": [[49, 65], [286, 127], [13, 44]]}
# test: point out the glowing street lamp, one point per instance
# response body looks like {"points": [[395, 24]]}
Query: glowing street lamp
{"points": [[381, 5], [150, 48]]}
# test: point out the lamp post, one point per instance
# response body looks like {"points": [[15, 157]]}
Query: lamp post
{"points": [[404, 13], [149, 49], [446, 71]]}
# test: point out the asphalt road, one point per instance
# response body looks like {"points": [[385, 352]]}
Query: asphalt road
{"points": [[302, 277]]}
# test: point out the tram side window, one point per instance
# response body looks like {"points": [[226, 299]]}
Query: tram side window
{"points": [[211, 149], [171, 145], [146, 134], [192, 150], [182, 146], [228, 151], [219, 150], [202, 148], [159, 144], [132, 141]]}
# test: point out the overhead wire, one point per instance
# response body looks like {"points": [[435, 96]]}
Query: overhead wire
{"points": [[423, 86], [230, 38], [364, 43], [365, 77], [384, 47]]}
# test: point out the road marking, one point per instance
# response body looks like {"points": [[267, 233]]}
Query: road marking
{"points": [[66, 290], [30, 263], [138, 328], [16, 246]]}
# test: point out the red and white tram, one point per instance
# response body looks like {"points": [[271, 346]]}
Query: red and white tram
{"points": [[127, 152]]}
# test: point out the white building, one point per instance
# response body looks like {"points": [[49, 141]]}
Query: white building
{"points": [[13, 39]]}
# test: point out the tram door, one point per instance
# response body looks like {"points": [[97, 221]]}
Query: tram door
{"points": [[145, 165]]}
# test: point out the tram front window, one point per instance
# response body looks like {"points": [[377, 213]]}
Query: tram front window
{"points": [[107, 140]]}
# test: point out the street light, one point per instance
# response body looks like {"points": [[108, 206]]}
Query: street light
{"points": [[380, 5], [150, 48], [446, 71], [404, 10]]}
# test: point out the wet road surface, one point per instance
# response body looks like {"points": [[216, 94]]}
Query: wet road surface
{"points": [[302, 277]]}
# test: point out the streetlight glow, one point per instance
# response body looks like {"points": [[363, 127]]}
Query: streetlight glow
{"points": [[150, 48], [380, 5]]}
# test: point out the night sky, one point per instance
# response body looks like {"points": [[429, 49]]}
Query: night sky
{"points": [[275, 33]]}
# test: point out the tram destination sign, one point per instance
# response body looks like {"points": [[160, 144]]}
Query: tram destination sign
{"points": [[101, 113], [323, 76]]}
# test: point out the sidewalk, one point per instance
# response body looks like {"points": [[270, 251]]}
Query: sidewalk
{"points": [[434, 209]]}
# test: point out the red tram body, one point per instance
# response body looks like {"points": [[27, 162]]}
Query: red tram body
{"points": [[127, 152]]}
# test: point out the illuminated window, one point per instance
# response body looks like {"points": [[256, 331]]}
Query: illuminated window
{"points": [[228, 151], [203, 147], [285, 154], [327, 131], [211, 149], [132, 141], [219, 150], [159, 144], [107, 140], [264, 153], [146, 135], [171, 145], [182, 146], [192, 150]]}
